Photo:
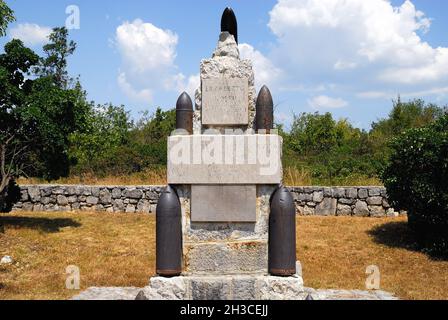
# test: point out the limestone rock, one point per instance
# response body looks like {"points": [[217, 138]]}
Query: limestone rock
{"points": [[344, 210], [62, 200], [6, 260], [374, 201], [327, 207], [108, 294], [227, 46], [361, 209], [363, 193], [105, 197]]}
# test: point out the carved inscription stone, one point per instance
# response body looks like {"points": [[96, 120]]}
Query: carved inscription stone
{"points": [[225, 101]]}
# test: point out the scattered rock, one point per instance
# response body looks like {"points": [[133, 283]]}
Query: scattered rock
{"points": [[6, 260]]}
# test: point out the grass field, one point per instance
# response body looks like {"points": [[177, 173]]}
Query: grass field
{"points": [[292, 176], [119, 250]]}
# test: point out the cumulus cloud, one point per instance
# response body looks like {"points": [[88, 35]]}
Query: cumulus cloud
{"points": [[360, 44], [30, 33], [148, 55], [265, 71], [325, 102]]}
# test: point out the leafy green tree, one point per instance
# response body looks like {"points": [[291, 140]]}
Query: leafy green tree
{"points": [[18, 126], [416, 181], [106, 128], [6, 17], [57, 51]]}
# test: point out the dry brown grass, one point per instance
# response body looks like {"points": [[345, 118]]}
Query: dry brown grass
{"points": [[110, 250], [148, 177], [335, 252], [292, 177], [119, 250]]}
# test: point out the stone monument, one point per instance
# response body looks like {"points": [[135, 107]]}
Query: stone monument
{"points": [[225, 225]]}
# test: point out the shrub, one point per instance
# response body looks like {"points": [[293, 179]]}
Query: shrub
{"points": [[416, 179]]}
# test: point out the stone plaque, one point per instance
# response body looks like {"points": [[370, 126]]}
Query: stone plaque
{"points": [[225, 101], [225, 159], [223, 203]]}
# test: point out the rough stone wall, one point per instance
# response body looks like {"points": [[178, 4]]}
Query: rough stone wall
{"points": [[324, 201], [130, 199], [343, 201]]}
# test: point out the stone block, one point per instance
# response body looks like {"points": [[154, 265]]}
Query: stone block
{"points": [[374, 201], [225, 159], [377, 211], [339, 192], [210, 288], [226, 257], [361, 209], [374, 192], [225, 203], [133, 194], [318, 196], [363, 193], [327, 207], [34, 193], [91, 200], [344, 210], [62, 200], [116, 193], [225, 101], [346, 201], [105, 197], [352, 193]]}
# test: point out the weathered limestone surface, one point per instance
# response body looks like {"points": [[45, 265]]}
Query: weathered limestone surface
{"points": [[226, 248], [225, 93], [143, 199], [236, 287], [225, 62]]}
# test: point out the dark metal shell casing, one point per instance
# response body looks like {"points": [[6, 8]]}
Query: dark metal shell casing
{"points": [[184, 113], [229, 23], [168, 234], [265, 111], [282, 234]]}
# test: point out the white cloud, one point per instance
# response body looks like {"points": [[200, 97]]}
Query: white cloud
{"points": [[265, 71], [325, 102], [145, 47], [143, 95], [369, 46], [148, 55], [30, 33]]}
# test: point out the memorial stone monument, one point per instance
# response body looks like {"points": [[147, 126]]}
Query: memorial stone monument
{"points": [[225, 225]]}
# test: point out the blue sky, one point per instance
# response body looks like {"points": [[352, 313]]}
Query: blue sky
{"points": [[348, 57]]}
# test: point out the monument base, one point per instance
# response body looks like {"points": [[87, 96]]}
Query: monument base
{"points": [[225, 287]]}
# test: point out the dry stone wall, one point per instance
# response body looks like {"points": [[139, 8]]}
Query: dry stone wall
{"points": [[322, 201]]}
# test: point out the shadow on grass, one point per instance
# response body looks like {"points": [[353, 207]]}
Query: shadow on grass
{"points": [[399, 235], [47, 225]]}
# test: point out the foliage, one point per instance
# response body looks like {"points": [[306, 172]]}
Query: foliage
{"points": [[113, 145], [6, 17], [37, 115], [416, 181], [54, 64]]}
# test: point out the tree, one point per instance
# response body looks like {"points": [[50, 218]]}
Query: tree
{"points": [[36, 119], [416, 181], [106, 128], [54, 64], [6, 17], [17, 122]]}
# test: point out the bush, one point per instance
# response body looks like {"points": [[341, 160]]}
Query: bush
{"points": [[9, 196], [416, 179]]}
